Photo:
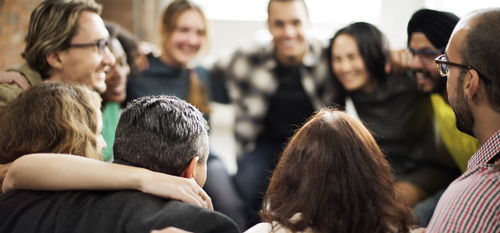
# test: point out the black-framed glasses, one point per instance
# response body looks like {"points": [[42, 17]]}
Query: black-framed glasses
{"points": [[426, 55], [443, 66], [101, 45]]}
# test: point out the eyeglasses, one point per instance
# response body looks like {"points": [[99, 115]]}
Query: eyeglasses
{"points": [[426, 55], [443, 66], [101, 45]]}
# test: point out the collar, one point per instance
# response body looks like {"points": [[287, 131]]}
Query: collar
{"points": [[487, 151], [310, 59]]}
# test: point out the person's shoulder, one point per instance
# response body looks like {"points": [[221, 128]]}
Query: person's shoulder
{"points": [[152, 211], [199, 219], [8, 92], [254, 51], [260, 228]]}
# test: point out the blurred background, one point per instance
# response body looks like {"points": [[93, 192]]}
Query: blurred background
{"points": [[236, 22]]}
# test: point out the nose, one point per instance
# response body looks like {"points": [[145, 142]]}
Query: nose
{"points": [[112, 75], [194, 39], [108, 58], [289, 30], [343, 66]]}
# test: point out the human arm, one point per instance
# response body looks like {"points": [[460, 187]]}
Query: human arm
{"points": [[12, 77], [3, 171], [67, 172], [11, 85], [400, 61]]}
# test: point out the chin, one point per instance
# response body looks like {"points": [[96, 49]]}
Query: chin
{"points": [[101, 88], [426, 89]]}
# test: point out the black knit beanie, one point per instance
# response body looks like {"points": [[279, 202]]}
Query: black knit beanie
{"points": [[437, 26]]}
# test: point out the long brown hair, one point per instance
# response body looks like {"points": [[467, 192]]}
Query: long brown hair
{"points": [[333, 173], [50, 118]]}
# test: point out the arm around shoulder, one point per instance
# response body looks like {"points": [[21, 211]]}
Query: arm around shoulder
{"points": [[68, 172]]}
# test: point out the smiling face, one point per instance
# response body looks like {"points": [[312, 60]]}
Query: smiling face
{"points": [[427, 75], [185, 40], [86, 65], [286, 24], [348, 65], [116, 79]]}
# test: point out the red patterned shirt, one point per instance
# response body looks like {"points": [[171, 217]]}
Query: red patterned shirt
{"points": [[472, 202]]}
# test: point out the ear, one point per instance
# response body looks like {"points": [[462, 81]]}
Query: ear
{"points": [[471, 84], [54, 60], [190, 171]]}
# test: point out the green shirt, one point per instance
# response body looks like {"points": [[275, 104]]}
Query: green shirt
{"points": [[110, 116]]}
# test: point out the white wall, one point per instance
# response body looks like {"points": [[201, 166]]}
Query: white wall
{"points": [[390, 16]]}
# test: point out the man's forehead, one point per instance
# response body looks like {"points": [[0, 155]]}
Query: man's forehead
{"points": [[456, 43], [90, 27], [418, 41], [294, 9]]}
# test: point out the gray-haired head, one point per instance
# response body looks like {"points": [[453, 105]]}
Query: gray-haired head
{"points": [[161, 133]]}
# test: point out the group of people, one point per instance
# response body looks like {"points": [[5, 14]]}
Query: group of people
{"points": [[351, 137]]}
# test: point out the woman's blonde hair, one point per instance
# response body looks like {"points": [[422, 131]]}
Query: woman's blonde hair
{"points": [[50, 118]]}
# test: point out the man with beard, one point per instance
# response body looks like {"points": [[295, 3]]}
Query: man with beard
{"points": [[472, 202], [428, 33]]}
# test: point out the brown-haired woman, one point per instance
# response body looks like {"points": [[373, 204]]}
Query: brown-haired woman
{"points": [[332, 177], [66, 119], [52, 117]]}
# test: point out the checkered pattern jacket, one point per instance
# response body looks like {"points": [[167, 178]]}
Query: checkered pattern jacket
{"points": [[250, 81]]}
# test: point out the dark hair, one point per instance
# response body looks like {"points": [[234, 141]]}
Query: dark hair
{"points": [[50, 118], [333, 173], [482, 51], [372, 46], [271, 1], [52, 25], [128, 41], [437, 26], [161, 133]]}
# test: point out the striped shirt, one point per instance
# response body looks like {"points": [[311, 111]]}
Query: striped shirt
{"points": [[472, 202]]}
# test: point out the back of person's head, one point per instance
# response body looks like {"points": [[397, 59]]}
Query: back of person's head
{"points": [[333, 173], [482, 51], [161, 133], [372, 46], [51, 118], [172, 13], [52, 25], [437, 26]]}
